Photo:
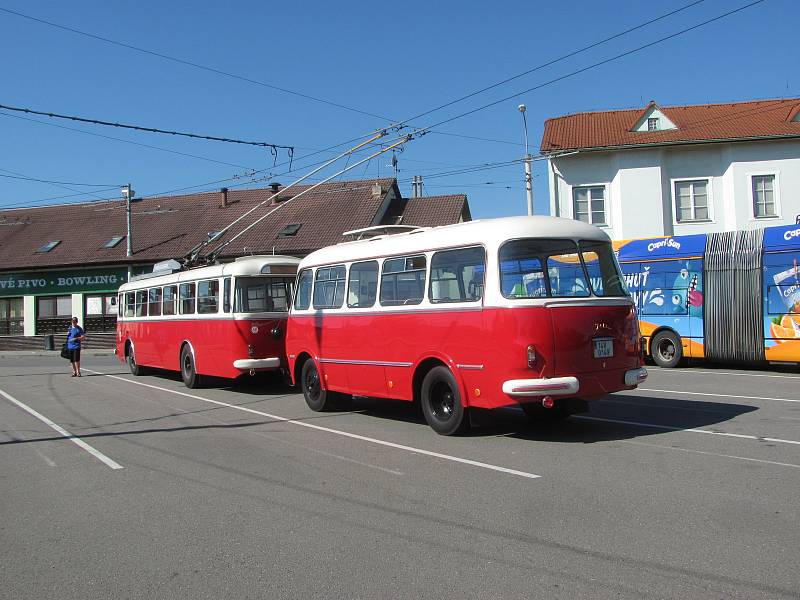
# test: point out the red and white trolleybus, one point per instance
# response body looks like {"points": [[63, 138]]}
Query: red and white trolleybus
{"points": [[528, 311], [220, 321]]}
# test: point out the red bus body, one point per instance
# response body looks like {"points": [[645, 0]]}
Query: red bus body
{"points": [[224, 334], [501, 350]]}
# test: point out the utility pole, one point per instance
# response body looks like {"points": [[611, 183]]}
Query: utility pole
{"points": [[528, 159], [127, 194], [416, 187]]}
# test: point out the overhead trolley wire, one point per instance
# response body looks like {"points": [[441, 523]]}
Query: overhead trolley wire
{"points": [[25, 178], [146, 129], [594, 65]]}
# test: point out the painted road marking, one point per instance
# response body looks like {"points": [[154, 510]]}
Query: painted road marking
{"points": [[692, 430], [690, 371], [67, 435], [715, 395], [448, 457], [768, 462]]}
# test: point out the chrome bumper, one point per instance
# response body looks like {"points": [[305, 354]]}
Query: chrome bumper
{"points": [[635, 376], [256, 364], [555, 386]]}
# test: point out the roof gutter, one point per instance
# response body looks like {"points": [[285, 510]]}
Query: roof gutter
{"points": [[566, 151]]}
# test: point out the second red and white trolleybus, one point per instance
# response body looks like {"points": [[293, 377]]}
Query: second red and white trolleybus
{"points": [[528, 311], [220, 321]]}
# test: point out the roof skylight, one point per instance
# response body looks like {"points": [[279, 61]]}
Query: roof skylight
{"points": [[48, 246]]}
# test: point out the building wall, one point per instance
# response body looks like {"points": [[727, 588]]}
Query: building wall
{"points": [[639, 185]]}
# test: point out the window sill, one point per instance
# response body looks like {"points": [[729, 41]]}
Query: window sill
{"points": [[693, 222]]}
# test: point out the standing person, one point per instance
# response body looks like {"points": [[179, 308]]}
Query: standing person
{"points": [[74, 338]]}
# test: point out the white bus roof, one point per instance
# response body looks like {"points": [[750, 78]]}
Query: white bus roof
{"points": [[247, 265], [489, 232]]}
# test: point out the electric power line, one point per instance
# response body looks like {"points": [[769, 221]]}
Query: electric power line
{"points": [[146, 129], [25, 178]]}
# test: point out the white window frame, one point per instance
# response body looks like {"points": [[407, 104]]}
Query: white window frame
{"points": [[606, 203], [776, 194], [655, 121], [709, 192]]}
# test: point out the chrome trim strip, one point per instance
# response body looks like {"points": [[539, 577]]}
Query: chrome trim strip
{"points": [[470, 367], [555, 386], [374, 363], [245, 364]]}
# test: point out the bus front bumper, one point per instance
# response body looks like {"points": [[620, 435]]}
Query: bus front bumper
{"points": [[635, 376], [555, 386], [257, 364]]}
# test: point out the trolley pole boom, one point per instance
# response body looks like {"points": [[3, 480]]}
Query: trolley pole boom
{"points": [[215, 252]]}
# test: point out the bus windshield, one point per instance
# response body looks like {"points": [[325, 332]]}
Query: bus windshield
{"points": [[546, 268], [262, 294]]}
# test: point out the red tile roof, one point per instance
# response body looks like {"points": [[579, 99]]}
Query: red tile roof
{"points": [[761, 119], [432, 211], [169, 226]]}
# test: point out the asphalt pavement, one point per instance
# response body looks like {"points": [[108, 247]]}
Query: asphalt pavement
{"points": [[115, 486]]}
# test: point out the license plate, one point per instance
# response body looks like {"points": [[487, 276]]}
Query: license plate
{"points": [[603, 347]]}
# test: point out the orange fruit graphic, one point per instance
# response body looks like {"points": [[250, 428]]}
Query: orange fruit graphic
{"points": [[781, 332]]}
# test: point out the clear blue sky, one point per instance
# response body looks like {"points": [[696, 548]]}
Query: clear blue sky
{"points": [[394, 59]]}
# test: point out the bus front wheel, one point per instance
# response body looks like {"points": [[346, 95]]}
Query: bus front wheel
{"points": [[188, 369], [134, 367], [666, 349], [317, 397], [441, 402]]}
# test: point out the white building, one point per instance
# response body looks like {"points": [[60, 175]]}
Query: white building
{"points": [[677, 170]]}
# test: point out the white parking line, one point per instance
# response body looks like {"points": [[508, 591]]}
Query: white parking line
{"points": [[67, 435], [704, 372], [456, 459], [758, 460], [641, 389], [692, 430]]}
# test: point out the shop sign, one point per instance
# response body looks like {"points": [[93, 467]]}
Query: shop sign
{"points": [[61, 282]]}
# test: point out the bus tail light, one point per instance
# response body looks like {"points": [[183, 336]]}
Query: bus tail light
{"points": [[531, 354], [548, 402], [251, 352], [643, 346]]}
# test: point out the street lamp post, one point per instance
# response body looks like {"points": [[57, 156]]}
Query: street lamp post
{"points": [[127, 194], [527, 160]]}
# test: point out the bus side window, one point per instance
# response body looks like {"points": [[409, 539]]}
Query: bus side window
{"points": [[226, 295], [155, 302], [170, 298], [208, 296], [120, 302], [187, 298], [329, 287], [141, 303], [363, 285], [457, 275], [302, 298], [403, 280]]}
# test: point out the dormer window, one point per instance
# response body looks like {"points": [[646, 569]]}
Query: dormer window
{"points": [[48, 246], [290, 230], [652, 124]]}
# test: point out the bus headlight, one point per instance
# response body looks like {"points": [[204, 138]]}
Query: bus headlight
{"points": [[531, 355]]}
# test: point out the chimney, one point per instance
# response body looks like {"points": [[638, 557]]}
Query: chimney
{"points": [[223, 192], [274, 187], [377, 190]]}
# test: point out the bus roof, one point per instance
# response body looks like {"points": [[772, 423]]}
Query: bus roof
{"points": [[247, 265], [489, 232]]}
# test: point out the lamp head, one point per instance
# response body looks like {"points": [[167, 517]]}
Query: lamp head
{"points": [[521, 108]]}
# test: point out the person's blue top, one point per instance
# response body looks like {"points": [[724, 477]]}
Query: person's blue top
{"points": [[74, 332]]}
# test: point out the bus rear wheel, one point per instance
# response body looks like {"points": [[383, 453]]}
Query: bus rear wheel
{"points": [[188, 369], [317, 397], [666, 349], [440, 398]]}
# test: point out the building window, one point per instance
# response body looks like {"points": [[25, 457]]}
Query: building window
{"points": [[48, 246], [652, 124], [12, 316], [101, 312], [53, 314], [764, 196], [589, 204], [691, 200], [290, 230]]}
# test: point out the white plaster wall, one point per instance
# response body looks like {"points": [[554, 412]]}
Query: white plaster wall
{"points": [[640, 185], [29, 309]]}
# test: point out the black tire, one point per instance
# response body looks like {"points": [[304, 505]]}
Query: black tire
{"points": [[188, 369], [666, 349], [317, 397], [134, 367], [440, 399]]}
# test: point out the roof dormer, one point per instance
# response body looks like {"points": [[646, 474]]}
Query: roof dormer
{"points": [[653, 119]]}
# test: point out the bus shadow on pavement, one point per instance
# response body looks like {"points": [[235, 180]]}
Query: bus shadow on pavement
{"points": [[613, 418]]}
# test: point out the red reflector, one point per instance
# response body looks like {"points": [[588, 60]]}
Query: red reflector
{"points": [[548, 402]]}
